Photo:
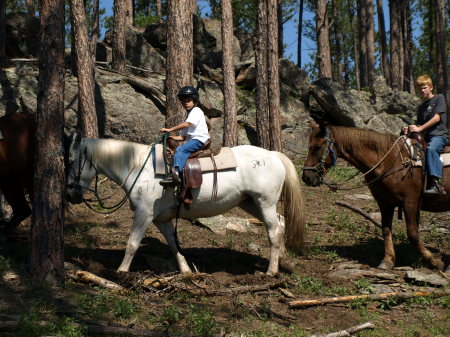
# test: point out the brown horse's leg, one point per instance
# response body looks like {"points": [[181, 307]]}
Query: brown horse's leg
{"points": [[387, 214], [15, 196], [412, 215]]}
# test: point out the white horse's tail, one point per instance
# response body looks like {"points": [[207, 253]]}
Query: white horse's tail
{"points": [[294, 213]]}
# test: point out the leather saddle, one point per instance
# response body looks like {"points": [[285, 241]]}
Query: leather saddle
{"points": [[192, 173]]}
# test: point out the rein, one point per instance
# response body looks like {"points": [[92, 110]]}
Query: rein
{"points": [[320, 167]]}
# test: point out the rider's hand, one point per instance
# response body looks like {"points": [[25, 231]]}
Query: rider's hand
{"points": [[164, 130]]}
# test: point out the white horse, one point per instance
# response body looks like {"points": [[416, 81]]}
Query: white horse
{"points": [[256, 185]]}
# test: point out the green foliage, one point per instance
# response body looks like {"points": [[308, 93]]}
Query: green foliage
{"points": [[358, 304], [5, 263], [201, 321], [29, 326], [444, 302], [308, 284], [171, 315], [362, 284], [388, 303]]}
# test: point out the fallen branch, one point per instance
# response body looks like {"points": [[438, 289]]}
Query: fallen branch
{"points": [[92, 328], [373, 297], [360, 212], [75, 273], [349, 331], [237, 290]]}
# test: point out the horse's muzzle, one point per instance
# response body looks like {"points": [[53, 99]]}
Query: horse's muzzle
{"points": [[73, 195], [311, 178]]}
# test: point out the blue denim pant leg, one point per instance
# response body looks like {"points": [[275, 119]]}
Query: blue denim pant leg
{"points": [[434, 149], [183, 151]]}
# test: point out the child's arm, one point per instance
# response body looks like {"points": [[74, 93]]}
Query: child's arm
{"points": [[176, 127]]}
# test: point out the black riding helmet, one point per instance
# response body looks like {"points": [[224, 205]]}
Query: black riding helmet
{"points": [[188, 91]]}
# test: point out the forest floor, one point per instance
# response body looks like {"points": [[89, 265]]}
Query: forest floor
{"points": [[230, 294]]}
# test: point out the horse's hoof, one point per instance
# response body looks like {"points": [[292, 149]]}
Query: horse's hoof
{"points": [[386, 265], [286, 266]]}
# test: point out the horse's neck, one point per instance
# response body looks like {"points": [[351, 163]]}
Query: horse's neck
{"points": [[115, 159], [362, 157]]}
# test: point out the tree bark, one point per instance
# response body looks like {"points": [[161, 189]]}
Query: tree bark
{"points": [[2, 32], [323, 40], [229, 84], [300, 33], [363, 76], [337, 37], [129, 13], [118, 43], [262, 103], [273, 78], [280, 28], [370, 44], [180, 56], [158, 10], [87, 117], [385, 68], [95, 31], [30, 6], [354, 27], [408, 84], [441, 54], [47, 257], [396, 78]]}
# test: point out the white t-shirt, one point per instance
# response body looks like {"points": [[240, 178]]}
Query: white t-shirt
{"points": [[197, 128]]}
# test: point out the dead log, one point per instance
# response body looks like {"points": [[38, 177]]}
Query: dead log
{"points": [[108, 330], [373, 297], [360, 212], [75, 273], [349, 331]]}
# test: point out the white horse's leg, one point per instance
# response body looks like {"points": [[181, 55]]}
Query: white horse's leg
{"points": [[275, 230], [167, 229], [142, 219]]}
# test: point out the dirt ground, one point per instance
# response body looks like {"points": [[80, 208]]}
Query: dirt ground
{"points": [[230, 295]]}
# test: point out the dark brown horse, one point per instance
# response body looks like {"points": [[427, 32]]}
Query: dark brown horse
{"points": [[17, 148], [392, 182]]}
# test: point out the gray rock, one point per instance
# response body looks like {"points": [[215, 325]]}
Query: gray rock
{"points": [[432, 279], [221, 224]]}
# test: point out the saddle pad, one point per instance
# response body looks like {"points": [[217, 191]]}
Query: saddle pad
{"points": [[224, 160]]}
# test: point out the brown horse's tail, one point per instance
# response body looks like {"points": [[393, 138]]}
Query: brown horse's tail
{"points": [[294, 205]]}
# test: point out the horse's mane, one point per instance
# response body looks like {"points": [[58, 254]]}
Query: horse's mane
{"points": [[118, 154], [355, 140]]}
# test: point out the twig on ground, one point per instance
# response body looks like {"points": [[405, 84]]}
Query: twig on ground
{"points": [[360, 212], [373, 297], [75, 273], [349, 331]]}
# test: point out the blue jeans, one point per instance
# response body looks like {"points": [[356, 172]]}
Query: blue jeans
{"points": [[183, 151], [434, 164]]}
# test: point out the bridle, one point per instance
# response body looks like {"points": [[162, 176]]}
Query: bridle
{"points": [[320, 168]]}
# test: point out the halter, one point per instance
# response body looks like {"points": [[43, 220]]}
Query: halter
{"points": [[320, 167]]}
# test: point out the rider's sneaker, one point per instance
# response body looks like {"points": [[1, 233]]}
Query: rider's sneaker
{"points": [[436, 188]]}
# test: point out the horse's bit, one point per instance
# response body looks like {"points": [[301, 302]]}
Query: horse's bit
{"points": [[329, 150]]}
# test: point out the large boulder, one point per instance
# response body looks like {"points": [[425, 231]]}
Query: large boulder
{"points": [[22, 35]]}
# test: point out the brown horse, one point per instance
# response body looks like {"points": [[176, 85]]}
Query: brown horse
{"points": [[17, 148], [391, 182]]}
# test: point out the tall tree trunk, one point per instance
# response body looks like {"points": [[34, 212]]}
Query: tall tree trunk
{"points": [[441, 54], [280, 28], [2, 33], [129, 13], [410, 48], [159, 10], [30, 7], [363, 76], [273, 78], [229, 83], [431, 30], [370, 44], [394, 9], [337, 36], [385, 68], [407, 44], [95, 30], [180, 56], [353, 23], [300, 34], [323, 40], [118, 43], [87, 117], [47, 257], [262, 102]]}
